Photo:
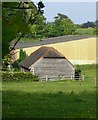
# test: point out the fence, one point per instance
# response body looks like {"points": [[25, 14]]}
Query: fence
{"points": [[54, 78]]}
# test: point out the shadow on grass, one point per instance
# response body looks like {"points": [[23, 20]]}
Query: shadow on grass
{"points": [[18, 104]]}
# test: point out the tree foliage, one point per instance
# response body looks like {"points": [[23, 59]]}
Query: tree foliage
{"points": [[22, 55], [38, 28], [88, 24], [25, 19], [17, 19], [62, 25]]}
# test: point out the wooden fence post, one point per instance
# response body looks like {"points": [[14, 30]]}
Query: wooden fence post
{"points": [[46, 77], [83, 77]]}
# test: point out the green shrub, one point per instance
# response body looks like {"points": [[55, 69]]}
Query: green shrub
{"points": [[18, 76], [77, 74], [15, 65]]}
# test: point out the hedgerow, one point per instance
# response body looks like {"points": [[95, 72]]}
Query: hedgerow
{"points": [[18, 76]]}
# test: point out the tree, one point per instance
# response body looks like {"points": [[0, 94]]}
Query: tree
{"points": [[64, 25], [37, 29], [77, 26], [50, 30], [22, 55], [68, 27], [16, 20], [88, 24]]}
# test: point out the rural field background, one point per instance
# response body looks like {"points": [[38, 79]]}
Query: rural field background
{"points": [[79, 31], [59, 99]]}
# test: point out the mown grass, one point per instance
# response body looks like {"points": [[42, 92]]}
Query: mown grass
{"points": [[61, 99]]}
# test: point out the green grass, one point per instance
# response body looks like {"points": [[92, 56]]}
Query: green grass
{"points": [[85, 31], [67, 99]]}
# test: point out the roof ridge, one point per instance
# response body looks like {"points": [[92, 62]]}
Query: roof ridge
{"points": [[59, 53], [48, 50], [55, 51]]}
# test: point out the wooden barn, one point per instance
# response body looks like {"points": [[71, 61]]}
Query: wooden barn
{"points": [[47, 62], [78, 49]]}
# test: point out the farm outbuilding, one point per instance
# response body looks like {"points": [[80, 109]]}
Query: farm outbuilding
{"points": [[47, 62], [78, 49]]}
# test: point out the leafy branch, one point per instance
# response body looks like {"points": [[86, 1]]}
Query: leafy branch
{"points": [[32, 21]]}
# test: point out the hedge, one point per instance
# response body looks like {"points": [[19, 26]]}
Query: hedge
{"points": [[18, 76]]}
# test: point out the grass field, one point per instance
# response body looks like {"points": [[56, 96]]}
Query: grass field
{"points": [[67, 99], [85, 31]]}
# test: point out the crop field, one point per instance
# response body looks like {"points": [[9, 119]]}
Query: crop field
{"points": [[58, 99]]}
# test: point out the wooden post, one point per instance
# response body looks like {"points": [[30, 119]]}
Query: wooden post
{"points": [[46, 77], [71, 77], [83, 77]]}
